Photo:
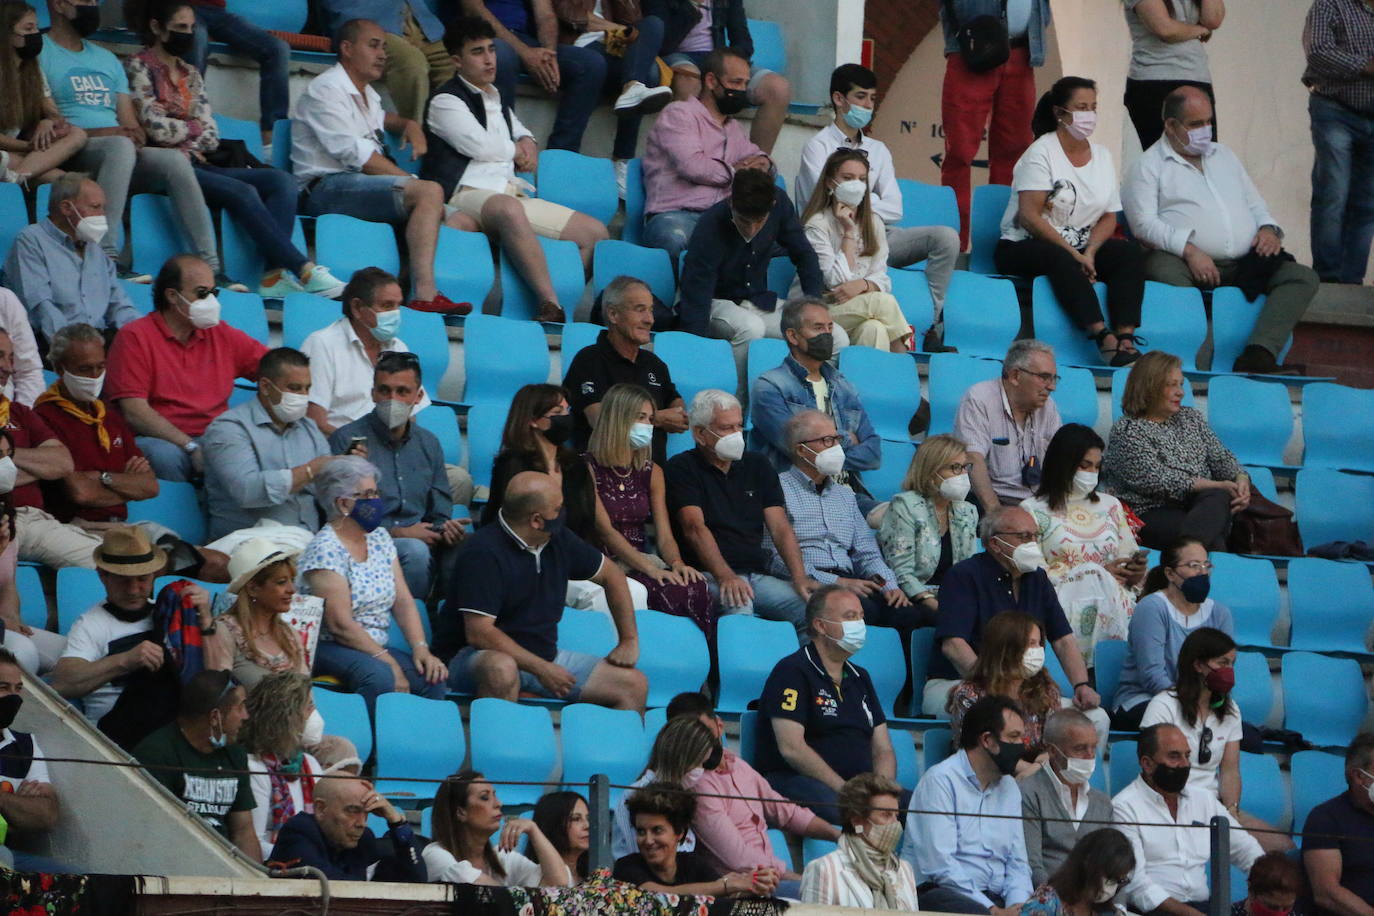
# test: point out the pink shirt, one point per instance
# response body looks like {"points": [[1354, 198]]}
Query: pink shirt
{"points": [[732, 833], [689, 158]]}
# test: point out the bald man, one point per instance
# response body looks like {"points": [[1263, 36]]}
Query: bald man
{"points": [[337, 841], [499, 624]]}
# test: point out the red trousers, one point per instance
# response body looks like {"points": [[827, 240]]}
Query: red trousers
{"points": [[1007, 96]]}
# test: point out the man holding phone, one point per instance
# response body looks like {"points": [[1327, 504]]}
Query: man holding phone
{"points": [[410, 463]]}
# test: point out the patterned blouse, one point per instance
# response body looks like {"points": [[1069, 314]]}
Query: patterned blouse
{"points": [[966, 693], [1149, 464], [371, 583], [910, 539], [171, 104]]}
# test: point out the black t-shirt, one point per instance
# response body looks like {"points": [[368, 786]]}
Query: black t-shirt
{"points": [[1353, 837], [732, 504], [632, 869], [204, 791], [839, 722], [596, 368], [579, 488]]}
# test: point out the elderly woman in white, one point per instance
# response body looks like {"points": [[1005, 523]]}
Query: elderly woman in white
{"points": [[865, 871]]}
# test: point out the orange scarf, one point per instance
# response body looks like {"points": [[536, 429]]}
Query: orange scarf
{"points": [[54, 396]]}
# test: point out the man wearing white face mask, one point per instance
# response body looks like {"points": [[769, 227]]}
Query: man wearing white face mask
{"points": [[722, 499], [59, 271], [262, 456], [1188, 198], [1059, 806], [410, 466]]}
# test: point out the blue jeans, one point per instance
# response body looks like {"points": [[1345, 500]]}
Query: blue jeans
{"points": [[637, 64], [272, 54], [169, 461], [417, 565], [371, 677], [671, 230], [376, 198], [774, 599], [1342, 190], [263, 203], [582, 73]]}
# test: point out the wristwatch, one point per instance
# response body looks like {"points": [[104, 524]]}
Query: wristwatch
{"points": [[106, 479], [190, 447], [1274, 229]]}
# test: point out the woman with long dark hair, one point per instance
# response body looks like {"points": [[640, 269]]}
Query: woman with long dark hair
{"points": [[1098, 867], [565, 820], [466, 814], [34, 137], [1090, 551], [1061, 221]]}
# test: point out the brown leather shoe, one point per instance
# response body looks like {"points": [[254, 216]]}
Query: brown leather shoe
{"points": [[1256, 360], [550, 312]]}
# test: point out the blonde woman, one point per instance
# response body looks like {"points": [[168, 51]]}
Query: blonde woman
{"points": [[281, 773], [930, 526], [630, 487], [251, 640], [851, 245]]}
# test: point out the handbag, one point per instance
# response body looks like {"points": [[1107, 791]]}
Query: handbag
{"points": [[1265, 527], [984, 42], [232, 154]]}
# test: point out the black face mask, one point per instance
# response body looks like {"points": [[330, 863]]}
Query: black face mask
{"points": [[31, 48], [9, 708], [1170, 779], [129, 616], [1007, 756], [732, 101], [86, 20], [717, 754], [560, 429], [179, 44], [819, 347], [1196, 588]]}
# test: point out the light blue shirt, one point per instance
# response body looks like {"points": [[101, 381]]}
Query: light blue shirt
{"points": [[60, 285], [1156, 633], [1018, 17], [831, 532], [248, 466], [85, 84], [962, 851]]}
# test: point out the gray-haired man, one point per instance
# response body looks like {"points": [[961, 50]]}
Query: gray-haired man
{"points": [[1059, 805]]}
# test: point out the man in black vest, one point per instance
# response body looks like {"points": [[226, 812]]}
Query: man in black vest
{"points": [[476, 145], [28, 804]]}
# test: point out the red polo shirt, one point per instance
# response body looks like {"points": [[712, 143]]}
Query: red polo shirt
{"points": [[188, 384], [83, 442], [27, 430]]}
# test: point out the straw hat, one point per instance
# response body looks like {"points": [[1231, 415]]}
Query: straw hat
{"points": [[127, 551], [252, 557]]}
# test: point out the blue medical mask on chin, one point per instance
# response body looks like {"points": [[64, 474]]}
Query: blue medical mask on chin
{"points": [[222, 739]]}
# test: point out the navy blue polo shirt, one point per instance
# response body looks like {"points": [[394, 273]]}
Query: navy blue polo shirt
{"points": [[839, 721], [595, 369], [978, 589], [1338, 824], [497, 575], [732, 504]]}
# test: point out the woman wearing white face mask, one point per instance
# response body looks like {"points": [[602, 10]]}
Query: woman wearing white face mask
{"points": [[282, 723], [1011, 663], [682, 753], [1090, 551], [851, 245], [865, 871], [929, 526], [1099, 866], [1061, 219]]}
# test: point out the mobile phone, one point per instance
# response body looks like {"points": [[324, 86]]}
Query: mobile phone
{"points": [[354, 443], [1139, 557]]}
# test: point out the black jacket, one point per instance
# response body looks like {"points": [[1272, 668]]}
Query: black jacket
{"points": [[728, 21], [396, 856], [443, 163]]}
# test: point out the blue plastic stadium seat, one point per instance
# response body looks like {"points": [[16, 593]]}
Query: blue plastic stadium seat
{"points": [[1317, 776], [155, 233], [501, 355], [1108, 657], [1123, 764], [518, 301], [401, 152], [1331, 605], [770, 51], [1249, 587], [600, 740], [885, 481], [888, 386], [781, 273], [1233, 320], [927, 205], [345, 714], [577, 336], [33, 604], [1330, 716], [1266, 792], [1262, 479], [1071, 344], [904, 749], [1076, 396], [303, 314], [1253, 419], [613, 258], [697, 363], [950, 375], [748, 648], [748, 735], [440, 420], [884, 660], [417, 739], [1338, 427], [633, 229], [813, 848], [176, 506], [281, 144], [426, 336], [654, 719], [985, 225], [348, 244], [778, 840], [982, 315], [936, 745], [913, 295], [1056, 671], [464, 269], [1119, 389], [278, 15], [14, 216], [1172, 319], [485, 423], [244, 311], [1254, 690], [591, 632], [922, 641], [675, 658], [516, 742], [582, 183], [764, 353], [77, 591], [238, 129], [1334, 506]]}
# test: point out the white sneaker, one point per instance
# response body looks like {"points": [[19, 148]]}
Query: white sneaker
{"points": [[323, 283], [622, 176], [283, 286], [639, 99]]}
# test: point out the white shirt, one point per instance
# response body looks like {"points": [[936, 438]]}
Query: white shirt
{"points": [[1076, 811], [27, 382], [832, 880], [443, 866], [1172, 861], [1204, 777], [341, 372], [336, 127], [1078, 197], [261, 785], [491, 149], [1171, 202], [825, 235], [38, 769], [90, 639], [882, 177]]}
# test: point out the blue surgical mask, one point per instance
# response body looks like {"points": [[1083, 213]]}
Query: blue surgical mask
{"points": [[220, 740], [388, 325], [641, 434], [368, 513], [857, 117]]}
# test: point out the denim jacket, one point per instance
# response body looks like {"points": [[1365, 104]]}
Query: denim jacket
{"points": [[782, 391], [969, 9]]}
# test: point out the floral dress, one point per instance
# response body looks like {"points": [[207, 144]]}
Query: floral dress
{"points": [[371, 583], [625, 496], [1078, 540]]}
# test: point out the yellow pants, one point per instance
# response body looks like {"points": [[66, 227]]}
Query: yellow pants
{"points": [[414, 67], [871, 319]]}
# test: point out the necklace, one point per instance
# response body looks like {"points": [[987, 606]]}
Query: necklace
{"points": [[620, 487]]}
